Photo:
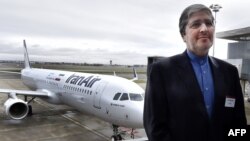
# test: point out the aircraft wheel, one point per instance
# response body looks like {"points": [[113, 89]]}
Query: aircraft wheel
{"points": [[30, 113], [114, 138], [119, 137]]}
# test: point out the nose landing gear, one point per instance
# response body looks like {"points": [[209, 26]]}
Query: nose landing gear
{"points": [[116, 135]]}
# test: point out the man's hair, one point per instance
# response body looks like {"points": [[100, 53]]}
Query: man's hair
{"points": [[187, 13]]}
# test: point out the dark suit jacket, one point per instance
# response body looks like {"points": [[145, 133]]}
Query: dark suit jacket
{"points": [[174, 107]]}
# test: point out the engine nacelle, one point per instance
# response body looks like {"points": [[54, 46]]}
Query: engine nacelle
{"points": [[16, 108]]}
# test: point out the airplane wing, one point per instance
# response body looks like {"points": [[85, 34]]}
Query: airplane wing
{"points": [[25, 92]]}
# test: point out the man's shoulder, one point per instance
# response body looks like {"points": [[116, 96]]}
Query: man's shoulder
{"points": [[222, 63], [166, 64], [172, 60]]}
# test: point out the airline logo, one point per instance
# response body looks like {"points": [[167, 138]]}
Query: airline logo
{"points": [[52, 76], [82, 80]]}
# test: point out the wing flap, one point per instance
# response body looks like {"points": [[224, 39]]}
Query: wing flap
{"points": [[25, 92]]}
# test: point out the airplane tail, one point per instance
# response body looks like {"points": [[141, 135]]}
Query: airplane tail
{"points": [[135, 75], [26, 56]]}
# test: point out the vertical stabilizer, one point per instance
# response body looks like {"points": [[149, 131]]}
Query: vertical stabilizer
{"points": [[26, 56], [135, 75]]}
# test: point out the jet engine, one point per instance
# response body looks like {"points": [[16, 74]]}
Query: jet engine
{"points": [[16, 108]]}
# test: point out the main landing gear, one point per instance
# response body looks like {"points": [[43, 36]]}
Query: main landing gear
{"points": [[30, 113]]}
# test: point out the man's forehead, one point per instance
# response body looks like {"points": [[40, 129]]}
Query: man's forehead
{"points": [[202, 16]]}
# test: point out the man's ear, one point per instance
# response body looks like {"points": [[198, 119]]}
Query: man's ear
{"points": [[184, 38]]}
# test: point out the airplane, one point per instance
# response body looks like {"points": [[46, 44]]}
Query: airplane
{"points": [[114, 99]]}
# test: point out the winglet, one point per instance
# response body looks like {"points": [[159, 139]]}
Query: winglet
{"points": [[26, 56], [135, 75]]}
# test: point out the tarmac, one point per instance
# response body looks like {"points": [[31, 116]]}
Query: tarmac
{"points": [[56, 122]]}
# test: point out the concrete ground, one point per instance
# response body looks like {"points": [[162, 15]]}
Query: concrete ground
{"points": [[247, 109], [53, 122]]}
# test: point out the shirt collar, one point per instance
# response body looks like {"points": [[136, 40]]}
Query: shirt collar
{"points": [[196, 59]]}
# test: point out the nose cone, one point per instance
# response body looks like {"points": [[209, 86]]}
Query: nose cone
{"points": [[137, 115], [140, 116]]}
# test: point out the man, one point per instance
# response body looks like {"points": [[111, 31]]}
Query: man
{"points": [[192, 96]]}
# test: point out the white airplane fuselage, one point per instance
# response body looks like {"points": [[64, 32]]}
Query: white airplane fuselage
{"points": [[91, 93]]}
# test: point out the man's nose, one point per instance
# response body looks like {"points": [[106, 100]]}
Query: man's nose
{"points": [[203, 27]]}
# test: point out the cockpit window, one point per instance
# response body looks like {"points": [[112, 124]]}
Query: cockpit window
{"points": [[124, 97], [135, 97], [116, 97]]}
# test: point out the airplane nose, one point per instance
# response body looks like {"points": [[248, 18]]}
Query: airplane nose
{"points": [[138, 115]]}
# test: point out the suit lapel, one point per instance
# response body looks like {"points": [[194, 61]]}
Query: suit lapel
{"points": [[185, 71], [219, 86]]}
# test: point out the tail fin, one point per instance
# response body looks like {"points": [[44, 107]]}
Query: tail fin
{"points": [[26, 56], [135, 75]]}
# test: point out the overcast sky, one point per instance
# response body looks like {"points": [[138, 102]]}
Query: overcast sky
{"points": [[96, 31]]}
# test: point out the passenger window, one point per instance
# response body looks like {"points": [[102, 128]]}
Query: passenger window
{"points": [[124, 97], [116, 97]]}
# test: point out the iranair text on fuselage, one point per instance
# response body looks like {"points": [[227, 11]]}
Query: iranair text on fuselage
{"points": [[88, 81]]}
